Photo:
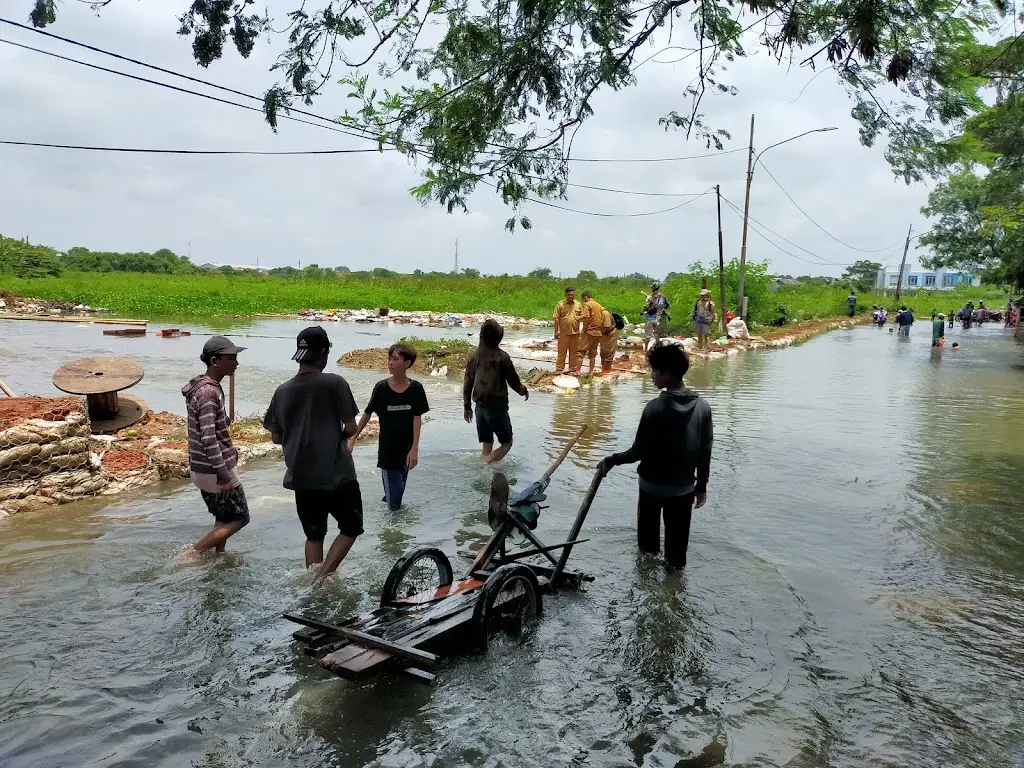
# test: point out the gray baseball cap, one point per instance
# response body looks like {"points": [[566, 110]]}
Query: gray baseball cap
{"points": [[220, 345]]}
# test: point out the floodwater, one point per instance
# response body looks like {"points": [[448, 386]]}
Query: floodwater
{"points": [[853, 595]]}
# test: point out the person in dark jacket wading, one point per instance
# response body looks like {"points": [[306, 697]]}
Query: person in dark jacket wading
{"points": [[212, 458], [673, 446]]}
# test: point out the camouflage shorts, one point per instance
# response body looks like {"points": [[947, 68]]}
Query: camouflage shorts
{"points": [[232, 508]]}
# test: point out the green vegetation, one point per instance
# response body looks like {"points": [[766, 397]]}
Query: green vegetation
{"points": [[206, 294], [978, 210]]}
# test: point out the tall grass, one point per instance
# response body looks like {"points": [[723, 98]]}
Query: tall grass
{"points": [[206, 295]]}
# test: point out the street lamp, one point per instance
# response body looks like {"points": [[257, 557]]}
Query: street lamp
{"points": [[751, 162]]}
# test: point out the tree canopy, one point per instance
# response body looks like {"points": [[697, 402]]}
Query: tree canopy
{"points": [[863, 274], [494, 92], [978, 210]]}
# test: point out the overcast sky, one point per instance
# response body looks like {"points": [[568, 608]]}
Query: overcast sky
{"points": [[355, 210]]}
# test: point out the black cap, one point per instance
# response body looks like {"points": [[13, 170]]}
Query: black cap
{"points": [[220, 345], [310, 344]]}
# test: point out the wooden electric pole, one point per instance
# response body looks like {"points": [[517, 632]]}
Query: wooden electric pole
{"points": [[746, 212], [721, 260], [906, 247]]}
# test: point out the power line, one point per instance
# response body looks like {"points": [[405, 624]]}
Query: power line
{"points": [[188, 151], [810, 219], [161, 151], [181, 90], [775, 245], [603, 215], [782, 237], [355, 132]]}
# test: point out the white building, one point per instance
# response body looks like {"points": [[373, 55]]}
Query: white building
{"points": [[916, 278]]}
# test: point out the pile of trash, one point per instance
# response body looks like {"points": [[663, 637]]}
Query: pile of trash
{"points": [[19, 305], [422, 319]]}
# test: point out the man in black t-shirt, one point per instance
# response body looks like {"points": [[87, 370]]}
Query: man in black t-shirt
{"points": [[310, 416], [399, 403]]}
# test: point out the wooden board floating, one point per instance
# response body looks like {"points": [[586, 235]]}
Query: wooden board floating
{"points": [[72, 319], [125, 332], [172, 333]]}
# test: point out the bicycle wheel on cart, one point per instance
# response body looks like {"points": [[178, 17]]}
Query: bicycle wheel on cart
{"points": [[421, 570]]}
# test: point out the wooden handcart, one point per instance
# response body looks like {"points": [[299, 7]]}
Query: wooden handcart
{"points": [[425, 613]]}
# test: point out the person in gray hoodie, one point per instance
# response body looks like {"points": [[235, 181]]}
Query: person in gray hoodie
{"points": [[212, 459], [673, 446]]}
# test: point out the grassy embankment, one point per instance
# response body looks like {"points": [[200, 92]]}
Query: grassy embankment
{"points": [[150, 295]]}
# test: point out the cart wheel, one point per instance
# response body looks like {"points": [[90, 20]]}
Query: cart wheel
{"points": [[421, 569], [509, 602]]}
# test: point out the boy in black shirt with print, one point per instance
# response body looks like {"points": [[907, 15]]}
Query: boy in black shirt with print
{"points": [[673, 446], [399, 403]]}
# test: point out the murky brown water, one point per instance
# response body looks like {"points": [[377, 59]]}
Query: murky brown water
{"points": [[853, 596]]}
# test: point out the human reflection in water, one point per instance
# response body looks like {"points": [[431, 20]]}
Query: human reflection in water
{"points": [[664, 652], [593, 406]]}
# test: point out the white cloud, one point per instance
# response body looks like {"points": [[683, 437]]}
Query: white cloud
{"points": [[355, 209]]}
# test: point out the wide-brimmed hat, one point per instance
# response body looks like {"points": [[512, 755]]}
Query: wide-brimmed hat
{"points": [[705, 292]]}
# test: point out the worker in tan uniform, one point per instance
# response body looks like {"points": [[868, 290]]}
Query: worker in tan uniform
{"points": [[609, 340], [567, 330], [590, 341]]}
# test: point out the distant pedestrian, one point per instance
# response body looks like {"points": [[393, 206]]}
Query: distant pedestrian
{"points": [[656, 317], [310, 416], [904, 319], [851, 303], [703, 316], [673, 446], [590, 341], [212, 458], [967, 314], [399, 403], [489, 375], [939, 330], [613, 323], [568, 313]]}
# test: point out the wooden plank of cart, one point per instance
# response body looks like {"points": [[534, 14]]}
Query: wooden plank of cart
{"points": [[425, 613]]}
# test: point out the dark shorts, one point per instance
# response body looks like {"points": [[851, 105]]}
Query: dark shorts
{"points": [[344, 504], [491, 423], [232, 508]]}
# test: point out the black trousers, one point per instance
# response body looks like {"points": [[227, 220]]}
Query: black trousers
{"points": [[676, 512]]}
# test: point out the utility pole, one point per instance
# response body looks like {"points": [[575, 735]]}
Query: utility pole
{"points": [[456, 255], [721, 260], [746, 213], [906, 247]]}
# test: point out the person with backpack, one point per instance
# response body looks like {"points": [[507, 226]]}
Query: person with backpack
{"points": [[656, 316], [703, 316], [613, 323]]}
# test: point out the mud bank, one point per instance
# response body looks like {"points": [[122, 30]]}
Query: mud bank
{"points": [[48, 454], [449, 358], [415, 318]]}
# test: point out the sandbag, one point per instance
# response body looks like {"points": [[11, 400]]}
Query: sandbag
{"points": [[70, 445], [17, 490], [737, 329], [18, 436], [20, 454]]}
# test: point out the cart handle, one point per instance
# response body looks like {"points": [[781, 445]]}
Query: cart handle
{"points": [[577, 526], [565, 452]]}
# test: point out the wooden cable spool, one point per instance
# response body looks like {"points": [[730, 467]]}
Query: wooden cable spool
{"points": [[100, 379]]}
